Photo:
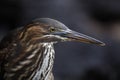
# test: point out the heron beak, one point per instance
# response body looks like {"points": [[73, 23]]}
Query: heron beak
{"points": [[75, 36]]}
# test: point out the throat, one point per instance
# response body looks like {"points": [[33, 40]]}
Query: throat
{"points": [[45, 66]]}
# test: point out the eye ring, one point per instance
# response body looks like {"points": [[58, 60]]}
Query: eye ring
{"points": [[52, 29]]}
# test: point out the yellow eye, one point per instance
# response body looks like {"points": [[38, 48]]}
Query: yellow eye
{"points": [[52, 29]]}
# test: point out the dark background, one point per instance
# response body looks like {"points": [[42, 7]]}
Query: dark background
{"points": [[74, 61]]}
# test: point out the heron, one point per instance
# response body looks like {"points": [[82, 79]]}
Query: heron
{"points": [[27, 53]]}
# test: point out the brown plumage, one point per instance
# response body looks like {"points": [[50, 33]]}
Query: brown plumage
{"points": [[27, 53]]}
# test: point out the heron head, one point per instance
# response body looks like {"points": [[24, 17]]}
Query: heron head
{"points": [[50, 30]]}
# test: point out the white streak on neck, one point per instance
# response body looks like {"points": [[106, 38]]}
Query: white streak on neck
{"points": [[48, 53]]}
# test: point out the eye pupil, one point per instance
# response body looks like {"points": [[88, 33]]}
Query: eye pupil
{"points": [[52, 29]]}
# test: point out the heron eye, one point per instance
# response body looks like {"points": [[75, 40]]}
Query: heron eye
{"points": [[52, 29]]}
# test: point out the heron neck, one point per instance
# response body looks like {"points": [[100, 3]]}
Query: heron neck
{"points": [[45, 66]]}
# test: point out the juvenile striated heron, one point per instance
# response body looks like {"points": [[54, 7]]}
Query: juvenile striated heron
{"points": [[27, 53]]}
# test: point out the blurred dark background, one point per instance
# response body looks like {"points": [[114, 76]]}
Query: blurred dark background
{"points": [[74, 61]]}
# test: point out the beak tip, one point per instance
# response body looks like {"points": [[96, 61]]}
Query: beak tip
{"points": [[102, 44]]}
